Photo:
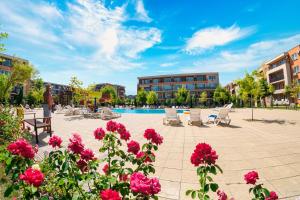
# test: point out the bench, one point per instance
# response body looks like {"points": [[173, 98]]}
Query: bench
{"points": [[37, 123]]}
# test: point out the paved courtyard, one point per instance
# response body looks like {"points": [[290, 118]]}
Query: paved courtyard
{"points": [[270, 145]]}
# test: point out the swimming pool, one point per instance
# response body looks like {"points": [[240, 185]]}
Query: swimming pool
{"points": [[143, 111]]}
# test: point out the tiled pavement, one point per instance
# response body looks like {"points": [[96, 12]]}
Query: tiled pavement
{"points": [[270, 145]]}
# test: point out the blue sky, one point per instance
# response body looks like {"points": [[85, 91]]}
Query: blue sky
{"points": [[117, 41]]}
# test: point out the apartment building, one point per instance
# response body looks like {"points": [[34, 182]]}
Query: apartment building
{"points": [[166, 86], [282, 70], [119, 89], [62, 94]]}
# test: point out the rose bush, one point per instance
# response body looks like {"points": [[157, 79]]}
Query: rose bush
{"points": [[204, 158], [73, 172]]}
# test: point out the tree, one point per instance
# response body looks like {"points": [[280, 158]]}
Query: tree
{"points": [[2, 36], [248, 87], [20, 73], [181, 96], [295, 91], [152, 98], [221, 95], [76, 88], [36, 94], [108, 94], [203, 98], [141, 97]]}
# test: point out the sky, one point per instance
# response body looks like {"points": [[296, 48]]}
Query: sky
{"points": [[117, 41]]}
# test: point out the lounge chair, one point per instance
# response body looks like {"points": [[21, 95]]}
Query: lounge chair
{"points": [[220, 116], [195, 117], [171, 117], [107, 114]]}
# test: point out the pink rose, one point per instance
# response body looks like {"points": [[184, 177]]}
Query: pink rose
{"points": [[251, 177]]}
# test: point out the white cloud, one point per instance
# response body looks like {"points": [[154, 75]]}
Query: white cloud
{"points": [[211, 37], [87, 33], [141, 13], [250, 58], [168, 64]]}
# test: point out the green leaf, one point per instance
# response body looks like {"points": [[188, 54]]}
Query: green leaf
{"points": [[266, 192], [214, 187], [194, 194], [206, 188], [213, 170], [44, 198], [188, 192], [209, 178], [8, 191], [219, 168]]}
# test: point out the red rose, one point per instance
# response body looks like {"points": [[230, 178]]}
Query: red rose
{"points": [[111, 126], [110, 194], [139, 183], [55, 141], [203, 154], [273, 196], [221, 195], [22, 148], [87, 155], [121, 128], [150, 134], [143, 155], [75, 144], [133, 147], [123, 177], [251, 177], [82, 165], [125, 135], [105, 169], [99, 133], [32, 177]]}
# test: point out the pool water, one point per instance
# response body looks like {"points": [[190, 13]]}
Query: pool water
{"points": [[143, 111]]}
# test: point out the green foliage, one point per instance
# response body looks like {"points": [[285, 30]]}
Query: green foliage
{"points": [[21, 72], [203, 97], [36, 94], [109, 93], [182, 95], [221, 95], [2, 36], [152, 98], [248, 87], [141, 97], [76, 88], [10, 127]]}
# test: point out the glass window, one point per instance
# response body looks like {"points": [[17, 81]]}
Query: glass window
{"points": [[176, 87], [177, 79], [190, 86], [189, 79], [200, 85], [201, 78], [167, 80], [156, 88], [296, 69], [167, 87], [155, 80], [294, 56], [168, 95], [211, 78], [6, 62]]}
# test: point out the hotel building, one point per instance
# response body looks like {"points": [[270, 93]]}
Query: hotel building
{"points": [[119, 89], [166, 86], [282, 70]]}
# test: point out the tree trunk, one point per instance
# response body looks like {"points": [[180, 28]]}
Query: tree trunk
{"points": [[251, 107]]}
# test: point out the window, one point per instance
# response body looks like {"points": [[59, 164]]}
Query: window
{"points": [[200, 85], [211, 78], [277, 64], [167, 80], [156, 88], [189, 79], [190, 86], [201, 78], [4, 72], [167, 87], [6, 62], [294, 56], [155, 80], [176, 87], [296, 69], [177, 79]]}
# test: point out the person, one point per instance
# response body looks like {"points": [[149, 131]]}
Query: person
{"points": [[48, 102]]}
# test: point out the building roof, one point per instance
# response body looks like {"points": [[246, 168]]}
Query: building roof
{"points": [[110, 84], [12, 57], [179, 75], [276, 58], [46, 82]]}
